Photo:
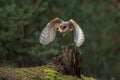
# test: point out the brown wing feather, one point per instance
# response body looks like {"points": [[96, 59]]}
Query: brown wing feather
{"points": [[49, 32]]}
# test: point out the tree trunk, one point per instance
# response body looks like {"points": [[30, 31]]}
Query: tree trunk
{"points": [[69, 60]]}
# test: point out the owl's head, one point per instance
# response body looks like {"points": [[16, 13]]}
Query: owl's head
{"points": [[64, 27]]}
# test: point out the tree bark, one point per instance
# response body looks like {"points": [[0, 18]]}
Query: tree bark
{"points": [[69, 60]]}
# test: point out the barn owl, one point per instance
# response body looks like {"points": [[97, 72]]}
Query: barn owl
{"points": [[49, 32]]}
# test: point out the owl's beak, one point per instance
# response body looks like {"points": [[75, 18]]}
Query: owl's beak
{"points": [[62, 33], [59, 29]]}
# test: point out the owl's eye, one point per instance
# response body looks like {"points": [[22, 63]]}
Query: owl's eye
{"points": [[57, 29], [64, 27]]}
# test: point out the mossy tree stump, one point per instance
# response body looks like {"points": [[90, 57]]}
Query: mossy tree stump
{"points": [[69, 60]]}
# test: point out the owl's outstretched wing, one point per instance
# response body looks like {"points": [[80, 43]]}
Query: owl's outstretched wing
{"points": [[49, 32], [78, 33]]}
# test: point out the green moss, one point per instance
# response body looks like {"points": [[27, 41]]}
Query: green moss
{"points": [[87, 78], [20, 72], [50, 72], [60, 78], [33, 78], [41, 73], [48, 78]]}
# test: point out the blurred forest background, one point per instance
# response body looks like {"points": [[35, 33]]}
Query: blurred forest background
{"points": [[21, 22]]}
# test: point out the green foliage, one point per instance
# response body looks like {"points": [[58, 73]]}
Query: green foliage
{"points": [[22, 21]]}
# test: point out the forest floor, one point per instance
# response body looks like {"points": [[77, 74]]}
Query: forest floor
{"points": [[46, 72]]}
